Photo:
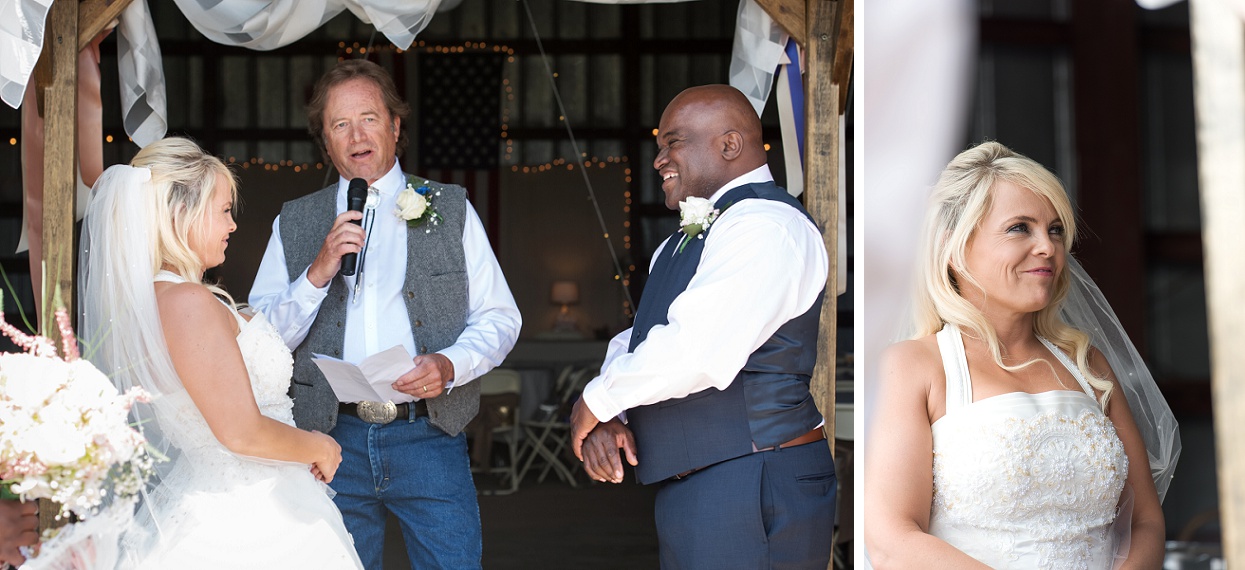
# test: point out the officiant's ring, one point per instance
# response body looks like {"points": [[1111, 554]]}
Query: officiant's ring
{"points": [[425, 389]]}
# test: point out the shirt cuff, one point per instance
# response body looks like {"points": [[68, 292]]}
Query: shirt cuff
{"points": [[304, 293], [600, 403], [461, 360]]}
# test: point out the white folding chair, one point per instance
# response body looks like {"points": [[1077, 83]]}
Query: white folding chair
{"points": [[499, 393], [548, 434]]}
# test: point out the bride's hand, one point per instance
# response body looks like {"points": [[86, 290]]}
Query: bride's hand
{"points": [[326, 466]]}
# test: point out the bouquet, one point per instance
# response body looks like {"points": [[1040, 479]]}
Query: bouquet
{"points": [[64, 430]]}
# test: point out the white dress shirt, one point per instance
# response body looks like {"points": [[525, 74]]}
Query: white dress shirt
{"points": [[763, 264], [377, 320]]}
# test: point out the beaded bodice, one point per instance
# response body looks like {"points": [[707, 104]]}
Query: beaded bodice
{"points": [[1025, 480]]}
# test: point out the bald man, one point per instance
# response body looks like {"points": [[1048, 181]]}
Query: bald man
{"points": [[712, 379]]}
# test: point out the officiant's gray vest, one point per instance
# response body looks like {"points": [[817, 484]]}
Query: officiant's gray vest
{"points": [[768, 402], [435, 292]]}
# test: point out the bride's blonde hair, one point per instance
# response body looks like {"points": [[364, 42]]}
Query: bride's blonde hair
{"points": [[958, 204], [182, 177]]}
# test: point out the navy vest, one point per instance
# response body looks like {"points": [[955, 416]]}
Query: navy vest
{"points": [[768, 403]]}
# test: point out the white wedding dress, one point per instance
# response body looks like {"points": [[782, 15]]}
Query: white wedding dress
{"points": [[1025, 480], [220, 510]]}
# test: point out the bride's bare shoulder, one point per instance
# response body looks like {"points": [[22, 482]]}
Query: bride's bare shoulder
{"points": [[189, 304], [913, 356]]}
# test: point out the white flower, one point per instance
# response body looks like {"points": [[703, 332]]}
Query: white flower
{"points": [[695, 216], [411, 204], [56, 441], [28, 381], [695, 210]]}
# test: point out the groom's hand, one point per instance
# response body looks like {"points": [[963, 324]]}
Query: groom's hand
{"points": [[428, 378], [344, 238], [601, 458]]}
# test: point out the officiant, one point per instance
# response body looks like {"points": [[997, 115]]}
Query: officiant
{"points": [[424, 277]]}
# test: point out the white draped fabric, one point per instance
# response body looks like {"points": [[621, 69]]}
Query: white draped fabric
{"points": [[272, 24], [21, 40], [22, 24]]}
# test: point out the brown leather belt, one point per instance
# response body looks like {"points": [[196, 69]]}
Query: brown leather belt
{"points": [[381, 413], [816, 434]]}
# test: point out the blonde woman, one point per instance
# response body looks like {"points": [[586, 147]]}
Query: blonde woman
{"points": [[1003, 438], [240, 487]]}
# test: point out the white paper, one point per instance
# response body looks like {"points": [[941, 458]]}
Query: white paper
{"points": [[371, 380]]}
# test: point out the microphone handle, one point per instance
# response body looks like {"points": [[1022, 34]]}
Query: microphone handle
{"points": [[350, 260]]}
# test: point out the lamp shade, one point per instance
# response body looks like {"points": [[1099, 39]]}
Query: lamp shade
{"points": [[564, 293]]}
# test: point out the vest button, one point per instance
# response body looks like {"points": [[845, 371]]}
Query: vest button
{"points": [[337, 353], [410, 294], [343, 298], [423, 349], [419, 323], [339, 324]]}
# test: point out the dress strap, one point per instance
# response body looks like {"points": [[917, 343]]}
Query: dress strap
{"points": [[955, 366], [169, 277], [1071, 366]]}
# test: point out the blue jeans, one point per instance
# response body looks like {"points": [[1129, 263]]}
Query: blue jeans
{"points": [[421, 475]]}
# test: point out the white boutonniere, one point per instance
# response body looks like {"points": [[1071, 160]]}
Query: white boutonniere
{"points": [[695, 217], [415, 205]]}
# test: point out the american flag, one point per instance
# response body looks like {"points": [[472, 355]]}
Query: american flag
{"points": [[459, 134]]}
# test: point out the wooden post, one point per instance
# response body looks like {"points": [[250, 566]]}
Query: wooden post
{"points": [[59, 162], [60, 101], [1219, 102], [824, 24]]}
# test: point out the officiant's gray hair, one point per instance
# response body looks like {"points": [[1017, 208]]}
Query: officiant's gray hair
{"points": [[960, 201], [345, 71]]}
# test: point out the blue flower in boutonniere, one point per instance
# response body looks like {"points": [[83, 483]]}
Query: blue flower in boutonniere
{"points": [[415, 205], [695, 217]]}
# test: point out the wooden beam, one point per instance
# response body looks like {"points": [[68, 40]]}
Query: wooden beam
{"points": [[60, 96], [789, 15], [821, 187], [59, 161], [94, 16], [1219, 105], [821, 191]]}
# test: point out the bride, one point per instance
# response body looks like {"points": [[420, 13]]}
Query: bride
{"points": [[1008, 429], [242, 487]]}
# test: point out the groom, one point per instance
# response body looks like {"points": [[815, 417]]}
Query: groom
{"points": [[714, 375], [437, 290]]}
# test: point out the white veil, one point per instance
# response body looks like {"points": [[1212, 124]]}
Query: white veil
{"points": [[120, 324], [1088, 311]]}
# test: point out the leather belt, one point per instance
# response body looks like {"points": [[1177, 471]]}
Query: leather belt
{"points": [[381, 413], [816, 434]]}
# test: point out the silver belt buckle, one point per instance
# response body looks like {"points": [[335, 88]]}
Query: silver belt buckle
{"points": [[377, 412]]}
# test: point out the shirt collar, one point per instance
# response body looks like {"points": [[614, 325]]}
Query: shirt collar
{"points": [[761, 174], [388, 185]]}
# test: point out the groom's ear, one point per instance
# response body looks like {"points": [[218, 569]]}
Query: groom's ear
{"points": [[732, 145]]}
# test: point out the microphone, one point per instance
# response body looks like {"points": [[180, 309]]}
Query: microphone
{"points": [[356, 195]]}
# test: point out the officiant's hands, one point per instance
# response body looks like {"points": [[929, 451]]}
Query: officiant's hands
{"points": [[326, 467], [19, 525], [602, 461], [432, 372], [344, 238]]}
